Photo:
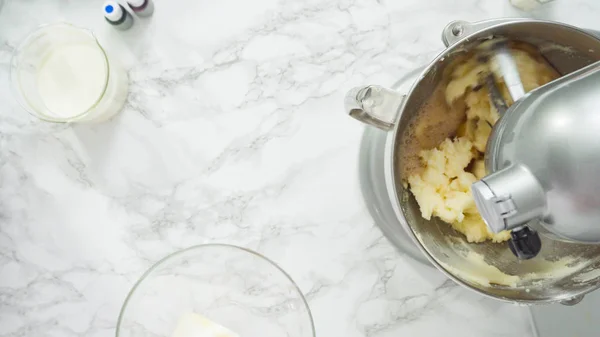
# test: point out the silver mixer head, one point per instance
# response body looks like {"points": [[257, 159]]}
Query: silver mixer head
{"points": [[544, 162]]}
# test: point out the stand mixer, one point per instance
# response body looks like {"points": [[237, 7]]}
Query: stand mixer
{"points": [[543, 160], [527, 140]]}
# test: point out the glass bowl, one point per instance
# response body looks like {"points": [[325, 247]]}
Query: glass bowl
{"points": [[232, 286]]}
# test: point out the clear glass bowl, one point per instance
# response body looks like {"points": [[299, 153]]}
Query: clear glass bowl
{"points": [[232, 286]]}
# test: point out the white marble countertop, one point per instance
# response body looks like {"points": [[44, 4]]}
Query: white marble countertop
{"points": [[233, 132]]}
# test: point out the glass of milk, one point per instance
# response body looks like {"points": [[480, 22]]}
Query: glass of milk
{"points": [[60, 73], [528, 5]]}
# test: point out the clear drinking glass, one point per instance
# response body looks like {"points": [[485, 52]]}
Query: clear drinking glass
{"points": [[61, 73], [527, 5]]}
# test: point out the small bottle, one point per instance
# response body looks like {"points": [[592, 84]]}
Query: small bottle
{"points": [[117, 16], [141, 7]]}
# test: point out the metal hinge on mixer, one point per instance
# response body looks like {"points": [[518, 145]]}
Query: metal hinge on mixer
{"points": [[505, 206]]}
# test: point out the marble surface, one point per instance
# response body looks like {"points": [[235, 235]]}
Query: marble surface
{"points": [[233, 132]]}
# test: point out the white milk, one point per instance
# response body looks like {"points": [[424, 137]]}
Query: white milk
{"points": [[72, 80]]}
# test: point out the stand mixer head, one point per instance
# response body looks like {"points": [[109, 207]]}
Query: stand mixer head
{"points": [[544, 157]]}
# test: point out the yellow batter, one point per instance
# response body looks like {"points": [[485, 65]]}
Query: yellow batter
{"points": [[443, 187]]}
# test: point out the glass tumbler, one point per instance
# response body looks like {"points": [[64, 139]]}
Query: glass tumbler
{"points": [[60, 73], [528, 5]]}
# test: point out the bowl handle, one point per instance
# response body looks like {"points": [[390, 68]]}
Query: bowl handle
{"points": [[458, 30], [374, 105]]}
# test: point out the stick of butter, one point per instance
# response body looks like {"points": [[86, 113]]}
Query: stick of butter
{"points": [[194, 325]]}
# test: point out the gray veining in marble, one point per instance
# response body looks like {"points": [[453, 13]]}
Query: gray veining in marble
{"points": [[233, 132]]}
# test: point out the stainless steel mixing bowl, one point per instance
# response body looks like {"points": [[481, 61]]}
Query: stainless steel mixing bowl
{"points": [[563, 271]]}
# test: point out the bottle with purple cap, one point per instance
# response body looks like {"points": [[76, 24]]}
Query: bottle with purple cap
{"points": [[141, 8], [117, 15]]}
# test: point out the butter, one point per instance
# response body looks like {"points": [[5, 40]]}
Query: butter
{"points": [[443, 189], [194, 325]]}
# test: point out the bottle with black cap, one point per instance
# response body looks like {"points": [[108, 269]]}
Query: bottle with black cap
{"points": [[141, 8], [117, 16]]}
